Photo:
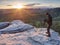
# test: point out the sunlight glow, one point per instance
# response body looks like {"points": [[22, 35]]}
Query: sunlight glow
{"points": [[18, 6]]}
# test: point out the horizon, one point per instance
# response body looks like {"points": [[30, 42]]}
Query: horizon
{"points": [[8, 4]]}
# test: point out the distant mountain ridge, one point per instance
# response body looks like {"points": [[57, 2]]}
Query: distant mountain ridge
{"points": [[26, 14]]}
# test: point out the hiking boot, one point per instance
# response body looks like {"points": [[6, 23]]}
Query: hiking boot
{"points": [[48, 34]]}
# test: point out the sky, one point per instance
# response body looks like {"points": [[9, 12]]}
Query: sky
{"points": [[29, 3]]}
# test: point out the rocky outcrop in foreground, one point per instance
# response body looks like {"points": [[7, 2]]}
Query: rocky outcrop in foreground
{"points": [[19, 33]]}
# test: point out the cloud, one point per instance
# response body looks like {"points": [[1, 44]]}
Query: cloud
{"points": [[33, 4], [8, 5]]}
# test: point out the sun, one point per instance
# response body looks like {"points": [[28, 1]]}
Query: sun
{"points": [[18, 6]]}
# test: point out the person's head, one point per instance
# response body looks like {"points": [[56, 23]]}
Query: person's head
{"points": [[47, 13]]}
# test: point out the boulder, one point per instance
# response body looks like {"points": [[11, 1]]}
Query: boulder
{"points": [[16, 26], [4, 24]]}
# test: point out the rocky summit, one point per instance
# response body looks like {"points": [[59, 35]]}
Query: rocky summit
{"points": [[20, 33]]}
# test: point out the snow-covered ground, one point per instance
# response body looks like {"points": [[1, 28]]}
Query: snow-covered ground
{"points": [[26, 34]]}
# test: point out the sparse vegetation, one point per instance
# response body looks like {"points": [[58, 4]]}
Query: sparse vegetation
{"points": [[55, 26]]}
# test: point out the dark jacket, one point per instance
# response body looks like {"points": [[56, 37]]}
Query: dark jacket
{"points": [[48, 20]]}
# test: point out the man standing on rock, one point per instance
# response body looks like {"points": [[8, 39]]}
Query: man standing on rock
{"points": [[49, 23]]}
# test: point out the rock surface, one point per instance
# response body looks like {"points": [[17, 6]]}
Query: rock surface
{"points": [[4, 24], [16, 26], [31, 35]]}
